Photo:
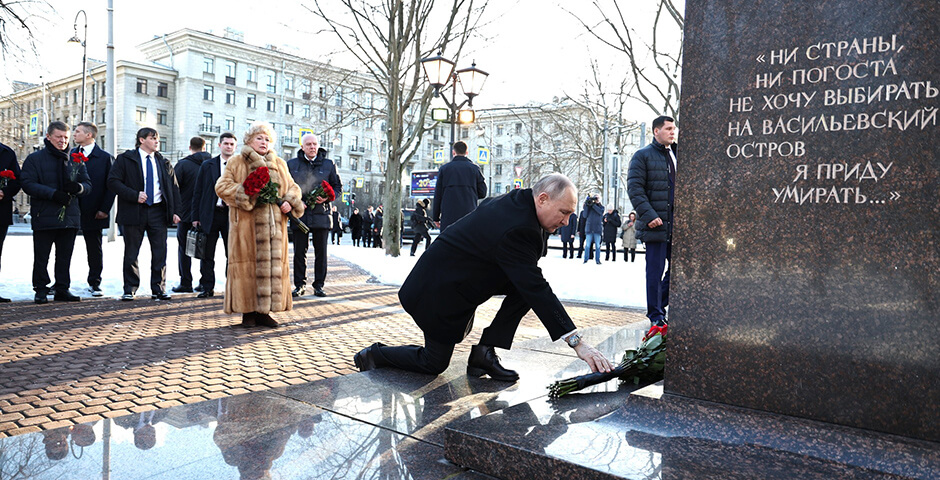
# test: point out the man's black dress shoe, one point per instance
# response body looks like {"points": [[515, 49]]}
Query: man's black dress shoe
{"points": [[66, 296], [297, 292], [205, 294], [5, 300], [182, 289], [365, 359], [199, 288], [160, 296], [319, 292], [127, 297], [41, 298], [484, 361]]}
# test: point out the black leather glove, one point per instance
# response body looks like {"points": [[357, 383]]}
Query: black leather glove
{"points": [[61, 197], [72, 188]]}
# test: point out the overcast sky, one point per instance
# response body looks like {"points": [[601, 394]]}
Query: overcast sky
{"points": [[535, 51]]}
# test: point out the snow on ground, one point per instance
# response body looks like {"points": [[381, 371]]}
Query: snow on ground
{"points": [[618, 283]]}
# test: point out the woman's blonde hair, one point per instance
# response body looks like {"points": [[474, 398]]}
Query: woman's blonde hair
{"points": [[256, 128]]}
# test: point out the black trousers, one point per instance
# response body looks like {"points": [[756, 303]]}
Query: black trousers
{"points": [[336, 236], [417, 240], [3, 236], [632, 252], [376, 240], [92, 236], [581, 237], [366, 237], [567, 247], [434, 357], [319, 240], [153, 223], [185, 262], [43, 240], [610, 249], [218, 228]]}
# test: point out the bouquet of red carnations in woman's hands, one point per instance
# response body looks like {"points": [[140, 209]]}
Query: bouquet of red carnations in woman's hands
{"points": [[325, 190], [643, 364], [5, 177], [259, 183]]}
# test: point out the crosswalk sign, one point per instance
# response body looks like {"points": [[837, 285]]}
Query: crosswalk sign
{"points": [[517, 183], [438, 156], [34, 126], [360, 181], [483, 155], [302, 132]]}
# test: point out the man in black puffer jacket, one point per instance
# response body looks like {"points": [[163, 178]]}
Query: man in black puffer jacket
{"points": [[651, 186], [309, 169]]}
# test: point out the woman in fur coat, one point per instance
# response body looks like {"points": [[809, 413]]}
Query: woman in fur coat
{"points": [[258, 280]]}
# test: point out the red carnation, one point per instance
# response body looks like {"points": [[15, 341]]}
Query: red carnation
{"points": [[256, 181], [326, 191], [8, 174], [79, 157]]}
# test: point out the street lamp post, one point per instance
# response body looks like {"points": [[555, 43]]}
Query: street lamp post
{"points": [[440, 73], [83, 43]]}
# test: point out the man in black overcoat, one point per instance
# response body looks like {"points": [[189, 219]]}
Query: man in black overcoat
{"points": [[210, 214], [148, 202], [493, 251], [187, 170], [96, 206], [7, 194], [460, 185]]}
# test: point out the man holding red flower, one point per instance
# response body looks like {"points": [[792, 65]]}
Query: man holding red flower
{"points": [[52, 180], [316, 175], [9, 187]]}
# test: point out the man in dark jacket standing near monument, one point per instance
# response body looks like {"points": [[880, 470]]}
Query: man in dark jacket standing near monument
{"points": [[96, 206], [52, 181], [210, 214], [7, 163], [460, 185], [651, 187], [309, 169], [187, 170], [493, 251], [148, 201]]}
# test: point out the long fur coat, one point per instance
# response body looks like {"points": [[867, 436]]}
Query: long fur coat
{"points": [[258, 262]]}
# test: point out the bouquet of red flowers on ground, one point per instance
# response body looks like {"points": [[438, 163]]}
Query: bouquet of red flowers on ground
{"points": [[325, 190], [259, 183], [646, 364], [77, 160], [5, 177]]}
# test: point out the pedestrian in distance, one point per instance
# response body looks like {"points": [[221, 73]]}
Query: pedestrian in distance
{"points": [[355, 227], [187, 171], [581, 237], [148, 202], [53, 180], [460, 185], [210, 213], [367, 217], [11, 180], [336, 232], [629, 237], [258, 280], [420, 225], [651, 180], [492, 251], [612, 224], [567, 234], [377, 223], [593, 214], [96, 206]]}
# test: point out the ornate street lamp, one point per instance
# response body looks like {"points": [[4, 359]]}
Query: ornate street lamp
{"points": [[82, 42], [440, 74]]}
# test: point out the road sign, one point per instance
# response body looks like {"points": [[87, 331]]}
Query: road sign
{"points": [[517, 183], [518, 171], [483, 155], [301, 133], [34, 124], [346, 198], [438, 156], [360, 181]]}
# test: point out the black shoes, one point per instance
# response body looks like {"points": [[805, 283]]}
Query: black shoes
{"points": [[484, 361], [265, 320], [297, 292], [205, 294], [41, 298], [182, 289], [65, 296], [319, 292], [5, 300], [365, 359], [198, 288], [248, 320], [161, 296], [95, 290], [127, 297]]}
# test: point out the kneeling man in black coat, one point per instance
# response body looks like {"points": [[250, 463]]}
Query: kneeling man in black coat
{"points": [[492, 251]]}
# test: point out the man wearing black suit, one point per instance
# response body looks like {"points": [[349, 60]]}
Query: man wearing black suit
{"points": [[7, 162], [211, 214], [148, 201], [96, 206], [187, 170], [492, 251], [460, 184]]}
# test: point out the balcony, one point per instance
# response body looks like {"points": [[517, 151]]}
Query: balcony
{"points": [[206, 129], [307, 95], [357, 150], [290, 140], [229, 80]]}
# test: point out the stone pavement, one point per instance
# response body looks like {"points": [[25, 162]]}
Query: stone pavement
{"points": [[63, 364]]}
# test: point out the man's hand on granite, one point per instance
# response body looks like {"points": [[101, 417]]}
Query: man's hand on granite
{"points": [[595, 359]]}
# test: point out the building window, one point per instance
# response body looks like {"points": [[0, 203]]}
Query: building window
{"points": [[229, 123], [499, 170], [369, 144], [142, 85], [368, 122], [272, 103], [161, 117], [338, 116], [339, 140], [323, 114], [518, 149], [368, 165], [208, 65], [338, 161], [230, 97], [104, 91], [464, 133], [163, 89], [162, 144], [499, 151], [367, 97], [208, 93], [355, 120], [206, 120], [289, 83], [322, 92], [306, 111], [271, 86], [229, 68], [252, 101], [141, 115], [288, 108], [101, 119], [518, 128], [338, 97], [497, 187], [252, 74], [248, 124], [354, 164], [75, 96], [499, 130]]}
